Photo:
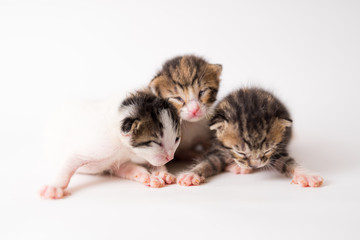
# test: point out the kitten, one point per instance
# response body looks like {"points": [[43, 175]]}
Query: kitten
{"points": [[191, 84], [253, 129], [114, 136]]}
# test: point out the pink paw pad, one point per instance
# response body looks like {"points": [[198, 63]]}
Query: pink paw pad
{"points": [[306, 180], [234, 168], [190, 179], [167, 177], [150, 181], [156, 182], [50, 192], [144, 178]]}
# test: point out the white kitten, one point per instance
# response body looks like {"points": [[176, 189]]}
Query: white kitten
{"points": [[113, 135]]}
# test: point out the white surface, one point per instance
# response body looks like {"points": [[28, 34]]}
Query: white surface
{"points": [[307, 52]]}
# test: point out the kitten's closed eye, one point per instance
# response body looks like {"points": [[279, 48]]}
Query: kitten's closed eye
{"points": [[179, 99], [190, 83], [202, 92], [269, 152], [242, 154], [157, 143], [148, 143]]}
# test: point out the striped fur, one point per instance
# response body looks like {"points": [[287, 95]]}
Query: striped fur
{"points": [[191, 84], [213, 161], [185, 79], [145, 121], [253, 128]]}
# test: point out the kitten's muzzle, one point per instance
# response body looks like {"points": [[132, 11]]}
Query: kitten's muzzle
{"points": [[170, 155], [164, 158], [257, 163], [193, 110]]}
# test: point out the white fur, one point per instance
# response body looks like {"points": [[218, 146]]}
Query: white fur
{"points": [[169, 135], [86, 137], [186, 111], [160, 155]]}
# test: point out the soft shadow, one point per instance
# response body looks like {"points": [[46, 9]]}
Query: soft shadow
{"points": [[274, 175], [97, 180], [324, 155], [177, 166]]}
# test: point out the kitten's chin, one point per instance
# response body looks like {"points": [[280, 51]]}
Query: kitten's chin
{"points": [[157, 162], [192, 119]]}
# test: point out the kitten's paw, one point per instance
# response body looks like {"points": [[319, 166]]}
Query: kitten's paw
{"points": [[143, 178], [150, 181], [307, 180], [190, 179], [50, 192], [167, 177], [234, 168], [156, 182]]}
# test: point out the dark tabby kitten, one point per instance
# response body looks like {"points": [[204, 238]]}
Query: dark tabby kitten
{"points": [[191, 84], [253, 129]]}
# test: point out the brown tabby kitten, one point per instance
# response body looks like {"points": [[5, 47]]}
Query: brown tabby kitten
{"points": [[253, 129], [191, 84]]}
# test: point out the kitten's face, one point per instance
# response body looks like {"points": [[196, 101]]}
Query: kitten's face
{"points": [[252, 124], [153, 132], [254, 149], [190, 83]]}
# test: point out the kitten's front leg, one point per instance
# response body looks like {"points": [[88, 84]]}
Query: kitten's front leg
{"points": [[161, 172], [209, 168], [287, 166], [190, 179], [306, 180], [137, 173], [57, 189], [211, 163]]}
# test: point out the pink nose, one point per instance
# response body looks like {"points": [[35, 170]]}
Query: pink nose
{"points": [[194, 110], [169, 156]]}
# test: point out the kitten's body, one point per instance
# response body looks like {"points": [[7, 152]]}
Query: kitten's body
{"points": [[253, 129], [112, 135], [191, 84]]}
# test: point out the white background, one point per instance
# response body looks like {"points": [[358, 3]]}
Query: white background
{"points": [[307, 52]]}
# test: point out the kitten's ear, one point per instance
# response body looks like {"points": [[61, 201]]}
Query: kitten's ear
{"points": [[154, 85], [285, 122], [219, 126], [278, 129], [129, 125], [217, 68], [218, 121]]}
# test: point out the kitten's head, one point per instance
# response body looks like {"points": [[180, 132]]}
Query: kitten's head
{"points": [[190, 83], [151, 127], [253, 125]]}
